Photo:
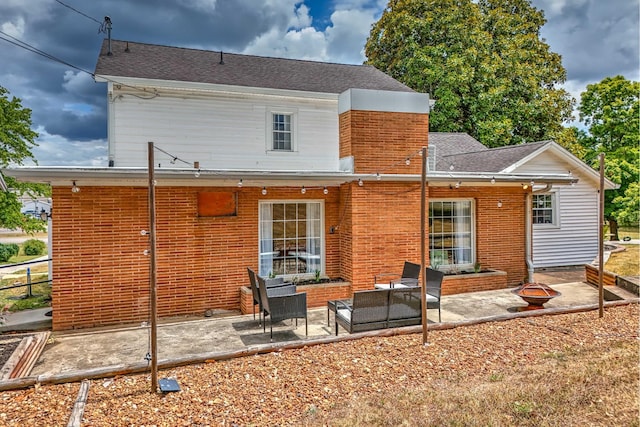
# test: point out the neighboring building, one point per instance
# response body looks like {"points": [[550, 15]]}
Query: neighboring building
{"points": [[302, 167], [564, 218]]}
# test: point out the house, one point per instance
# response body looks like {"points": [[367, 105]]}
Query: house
{"points": [[293, 168], [564, 218]]}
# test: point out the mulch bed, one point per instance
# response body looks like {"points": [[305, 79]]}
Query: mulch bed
{"points": [[289, 387]]}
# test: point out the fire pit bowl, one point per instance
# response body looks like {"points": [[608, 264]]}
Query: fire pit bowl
{"points": [[536, 294]]}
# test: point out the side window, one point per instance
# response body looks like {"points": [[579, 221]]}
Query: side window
{"points": [[544, 209]]}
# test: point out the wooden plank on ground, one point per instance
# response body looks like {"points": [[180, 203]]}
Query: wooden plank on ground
{"points": [[75, 419], [16, 357]]}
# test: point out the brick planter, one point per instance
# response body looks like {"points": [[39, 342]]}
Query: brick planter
{"points": [[474, 282], [317, 295]]}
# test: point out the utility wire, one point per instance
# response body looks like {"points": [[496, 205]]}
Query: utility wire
{"points": [[35, 50], [78, 12]]}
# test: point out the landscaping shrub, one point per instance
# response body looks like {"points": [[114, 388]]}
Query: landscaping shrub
{"points": [[8, 250], [33, 247]]}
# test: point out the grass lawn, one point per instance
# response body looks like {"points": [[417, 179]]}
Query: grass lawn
{"points": [[13, 298], [633, 232], [626, 263]]}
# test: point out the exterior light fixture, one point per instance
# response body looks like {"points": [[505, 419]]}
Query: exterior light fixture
{"points": [[407, 161], [240, 183], [75, 188], [360, 183], [525, 186], [458, 184], [326, 190], [378, 177], [44, 215], [197, 173], [264, 191], [532, 183], [493, 179], [303, 190], [499, 203]]}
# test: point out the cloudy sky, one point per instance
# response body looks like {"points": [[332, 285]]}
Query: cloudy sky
{"points": [[596, 39]]}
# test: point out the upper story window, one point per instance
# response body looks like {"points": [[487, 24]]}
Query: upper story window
{"points": [[282, 132], [451, 234], [544, 209]]}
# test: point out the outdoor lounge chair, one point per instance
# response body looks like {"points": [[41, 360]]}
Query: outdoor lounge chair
{"points": [[275, 286], [282, 307], [434, 288], [408, 277]]}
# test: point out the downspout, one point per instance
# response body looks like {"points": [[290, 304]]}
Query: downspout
{"points": [[529, 230], [528, 237]]}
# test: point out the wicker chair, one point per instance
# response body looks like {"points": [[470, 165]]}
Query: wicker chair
{"points": [[434, 288], [282, 307], [274, 287], [408, 278]]}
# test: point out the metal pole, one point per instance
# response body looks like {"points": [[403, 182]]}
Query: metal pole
{"points": [[601, 239], [29, 290], [423, 252], [153, 272]]}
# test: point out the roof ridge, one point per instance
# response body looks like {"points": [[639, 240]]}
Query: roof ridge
{"points": [[244, 54]]}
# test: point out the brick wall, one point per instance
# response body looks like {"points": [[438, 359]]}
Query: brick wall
{"points": [[101, 276], [381, 141]]}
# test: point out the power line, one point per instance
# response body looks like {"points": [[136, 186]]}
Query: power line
{"points": [[78, 12], [37, 51]]}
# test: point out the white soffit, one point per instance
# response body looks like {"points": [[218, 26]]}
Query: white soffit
{"points": [[383, 100]]}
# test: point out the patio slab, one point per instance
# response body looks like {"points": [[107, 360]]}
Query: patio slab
{"points": [[89, 350]]}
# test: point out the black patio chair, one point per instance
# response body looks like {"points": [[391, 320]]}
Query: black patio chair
{"points": [[408, 277], [274, 287], [282, 307], [434, 289]]}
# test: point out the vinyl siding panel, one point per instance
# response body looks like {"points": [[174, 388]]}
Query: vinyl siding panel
{"points": [[573, 239], [223, 133]]}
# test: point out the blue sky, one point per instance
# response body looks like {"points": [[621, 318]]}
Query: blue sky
{"points": [[595, 38]]}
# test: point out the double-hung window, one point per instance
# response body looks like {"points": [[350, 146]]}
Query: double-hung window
{"points": [[451, 234], [291, 239], [544, 208], [282, 132]]}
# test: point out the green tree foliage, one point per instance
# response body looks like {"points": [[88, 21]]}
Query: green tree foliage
{"points": [[484, 63], [611, 111], [16, 141]]}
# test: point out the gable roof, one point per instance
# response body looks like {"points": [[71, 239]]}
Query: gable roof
{"points": [[490, 160], [148, 61]]}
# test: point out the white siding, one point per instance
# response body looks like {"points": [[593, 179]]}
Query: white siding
{"points": [[223, 133], [574, 239]]}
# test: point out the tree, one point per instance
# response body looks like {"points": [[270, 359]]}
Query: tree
{"points": [[483, 62], [611, 111], [16, 141]]}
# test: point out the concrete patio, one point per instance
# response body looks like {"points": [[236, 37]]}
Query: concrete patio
{"points": [[216, 336]]}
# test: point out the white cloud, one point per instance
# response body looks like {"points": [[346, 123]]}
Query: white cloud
{"points": [[348, 34], [77, 83], [14, 29], [207, 6], [54, 150], [306, 43]]}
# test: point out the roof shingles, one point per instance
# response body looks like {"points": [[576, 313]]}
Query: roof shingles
{"points": [[192, 65]]}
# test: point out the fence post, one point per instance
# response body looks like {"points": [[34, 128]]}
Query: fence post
{"points": [[29, 292]]}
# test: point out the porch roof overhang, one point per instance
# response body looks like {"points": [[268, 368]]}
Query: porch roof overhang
{"points": [[169, 177]]}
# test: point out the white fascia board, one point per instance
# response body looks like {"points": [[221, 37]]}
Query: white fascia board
{"points": [[209, 88], [383, 101], [104, 176], [572, 160]]}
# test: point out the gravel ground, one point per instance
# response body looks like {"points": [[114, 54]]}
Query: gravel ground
{"points": [[290, 387]]}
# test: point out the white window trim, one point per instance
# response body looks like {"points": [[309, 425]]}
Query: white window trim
{"points": [[322, 236], [555, 211], [460, 267], [293, 112]]}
